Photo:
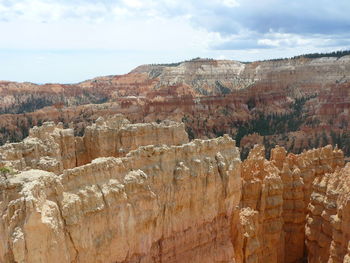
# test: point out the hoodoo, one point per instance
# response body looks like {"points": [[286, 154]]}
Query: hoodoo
{"points": [[143, 193]]}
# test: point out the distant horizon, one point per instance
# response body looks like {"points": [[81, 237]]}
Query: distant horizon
{"points": [[326, 54], [64, 41]]}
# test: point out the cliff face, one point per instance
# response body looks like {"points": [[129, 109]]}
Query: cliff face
{"points": [[261, 238], [27, 97], [296, 103], [53, 148], [304, 73], [159, 203], [277, 196], [328, 221], [298, 173], [142, 193], [197, 78]]}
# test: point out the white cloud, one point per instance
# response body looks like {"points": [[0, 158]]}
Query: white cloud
{"points": [[230, 3], [269, 42], [50, 11], [290, 40], [151, 34], [120, 11], [133, 3], [151, 31]]}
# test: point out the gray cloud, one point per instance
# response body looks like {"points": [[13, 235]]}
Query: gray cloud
{"points": [[307, 19], [250, 24], [323, 23], [300, 17]]}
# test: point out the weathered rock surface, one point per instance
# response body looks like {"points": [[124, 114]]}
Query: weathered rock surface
{"points": [[261, 215], [110, 196], [328, 221], [214, 97], [297, 174], [157, 204], [53, 148], [117, 136], [276, 195]]}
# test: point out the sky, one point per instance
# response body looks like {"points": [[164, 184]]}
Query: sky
{"points": [[68, 41]]}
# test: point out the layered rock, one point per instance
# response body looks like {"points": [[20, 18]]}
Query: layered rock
{"points": [[328, 222], [199, 77], [213, 97], [49, 148], [53, 148], [293, 206], [157, 204], [109, 196], [274, 204], [298, 173], [261, 215], [116, 136]]}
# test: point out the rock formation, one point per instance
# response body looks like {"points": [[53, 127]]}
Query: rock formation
{"points": [[297, 173], [156, 204], [328, 221], [261, 214], [143, 193], [53, 148], [277, 197], [299, 103]]}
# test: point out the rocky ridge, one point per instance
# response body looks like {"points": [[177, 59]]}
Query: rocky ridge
{"points": [[174, 201], [141, 207], [53, 148], [296, 103]]}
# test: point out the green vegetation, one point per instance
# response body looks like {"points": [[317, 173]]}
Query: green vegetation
{"points": [[337, 54], [30, 105], [178, 63], [33, 102], [186, 120], [274, 123], [221, 88], [4, 171], [251, 103], [190, 133], [218, 133], [342, 140], [88, 97]]}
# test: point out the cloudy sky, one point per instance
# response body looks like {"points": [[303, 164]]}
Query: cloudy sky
{"points": [[73, 40]]}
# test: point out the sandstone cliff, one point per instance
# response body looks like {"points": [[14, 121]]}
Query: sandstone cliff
{"points": [[297, 103], [261, 219], [328, 221], [109, 196], [53, 148], [297, 173], [156, 204], [275, 203]]}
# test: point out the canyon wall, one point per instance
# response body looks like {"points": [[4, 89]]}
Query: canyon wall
{"points": [[53, 148], [328, 221], [110, 196], [156, 204], [261, 238], [276, 198], [299, 103], [298, 173]]}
